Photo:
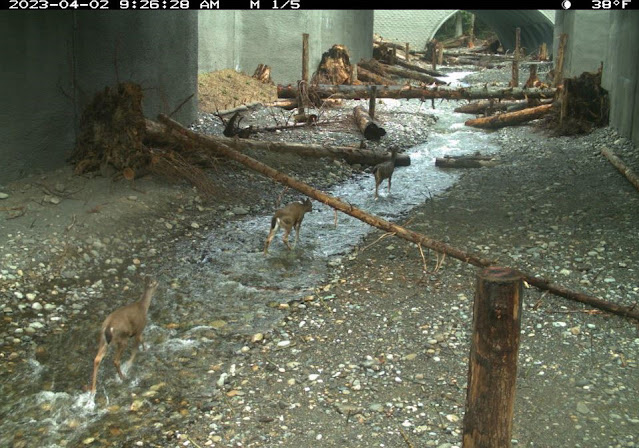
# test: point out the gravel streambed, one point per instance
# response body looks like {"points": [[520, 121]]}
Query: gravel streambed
{"points": [[375, 356]]}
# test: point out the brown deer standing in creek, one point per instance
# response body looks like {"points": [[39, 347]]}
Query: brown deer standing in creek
{"points": [[385, 170], [124, 323], [288, 217]]}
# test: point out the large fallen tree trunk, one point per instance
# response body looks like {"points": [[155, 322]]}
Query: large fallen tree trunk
{"points": [[409, 92], [509, 118], [417, 238], [367, 126], [385, 70], [623, 169], [349, 154]]}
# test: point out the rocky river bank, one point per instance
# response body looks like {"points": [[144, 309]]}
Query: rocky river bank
{"points": [[370, 351]]}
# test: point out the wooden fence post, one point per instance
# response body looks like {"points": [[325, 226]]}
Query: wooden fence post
{"points": [[559, 63], [301, 110], [516, 56], [492, 370], [371, 102]]}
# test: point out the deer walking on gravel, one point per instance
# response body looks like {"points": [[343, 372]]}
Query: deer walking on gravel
{"points": [[289, 217], [124, 323], [385, 170]]}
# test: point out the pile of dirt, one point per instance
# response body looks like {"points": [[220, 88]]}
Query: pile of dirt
{"points": [[225, 89]]}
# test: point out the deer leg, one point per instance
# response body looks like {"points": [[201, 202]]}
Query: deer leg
{"points": [[118, 356], [138, 341], [270, 237], [389, 184], [297, 232], [102, 349], [285, 238], [376, 188]]}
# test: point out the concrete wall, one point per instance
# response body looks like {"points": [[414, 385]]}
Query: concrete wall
{"points": [[417, 27], [53, 63], [587, 42], [36, 118], [621, 73], [244, 39], [610, 37]]}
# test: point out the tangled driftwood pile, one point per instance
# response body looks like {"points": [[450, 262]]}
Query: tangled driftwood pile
{"points": [[334, 68], [112, 131], [114, 135]]}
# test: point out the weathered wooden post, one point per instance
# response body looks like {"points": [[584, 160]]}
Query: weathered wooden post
{"points": [[515, 79], [492, 370], [559, 65], [371, 102], [300, 100], [407, 52], [471, 31]]}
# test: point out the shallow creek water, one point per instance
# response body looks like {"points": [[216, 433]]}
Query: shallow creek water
{"points": [[216, 290]]}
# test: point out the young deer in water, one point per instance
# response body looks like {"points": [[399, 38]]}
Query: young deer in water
{"points": [[124, 323], [288, 217], [385, 170]]}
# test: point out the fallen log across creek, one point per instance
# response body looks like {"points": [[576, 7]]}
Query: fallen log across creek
{"points": [[387, 226], [350, 154], [409, 92]]}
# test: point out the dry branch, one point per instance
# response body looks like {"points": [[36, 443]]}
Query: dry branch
{"points": [[623, 169], [417, 238]]}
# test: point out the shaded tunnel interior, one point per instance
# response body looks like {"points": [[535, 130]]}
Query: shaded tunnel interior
{"points": [[535, 27]]}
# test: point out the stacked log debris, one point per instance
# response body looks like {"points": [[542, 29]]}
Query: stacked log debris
{"points": [[374, 78], [386, 70]]}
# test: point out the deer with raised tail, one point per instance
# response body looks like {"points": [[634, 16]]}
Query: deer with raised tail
{"points": [[289, 217], [124, 323], [385, 170]]}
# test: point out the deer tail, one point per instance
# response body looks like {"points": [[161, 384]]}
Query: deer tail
{"points": [[108, 334], [274, 222]]}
